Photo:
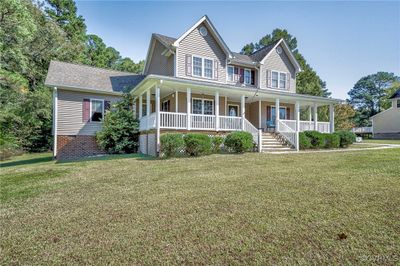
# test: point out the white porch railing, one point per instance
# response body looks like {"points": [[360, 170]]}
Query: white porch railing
{"points": [[287, 132], [230, 123], [252, 130], [361, 130], [323, 127], [173, 120], [202, 122]]}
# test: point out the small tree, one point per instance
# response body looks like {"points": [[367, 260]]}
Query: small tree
{"points": [[120, 131]]}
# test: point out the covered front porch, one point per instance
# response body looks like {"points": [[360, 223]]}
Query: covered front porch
{"points": [[175, 105]]}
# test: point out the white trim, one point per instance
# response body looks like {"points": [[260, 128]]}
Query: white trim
{"points": [[202, 105], [279, 80], [213, 31], [102, 110], [203, 66], [55, 121], [288, 53], [244, 76], [83, 89]]}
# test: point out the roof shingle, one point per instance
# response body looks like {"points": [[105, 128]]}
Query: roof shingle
{"points": [[62, 74]]}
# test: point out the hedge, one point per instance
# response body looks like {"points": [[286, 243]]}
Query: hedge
{"points": [[346, 138], [239, 141], [197, 144], [317, 139], [304, 141], [217, 142], [171, 144], [332, 140]]}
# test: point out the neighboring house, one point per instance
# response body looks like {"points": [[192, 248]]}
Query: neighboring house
{"points": [[386, 124], [191, 83]]}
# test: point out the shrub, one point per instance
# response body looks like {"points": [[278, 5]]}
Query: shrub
{"points": [[217, 143], [332, 140], [346, 138], [239, 141], [317, 139], [197, 144], [304, 141], [120, 130], [171, 144]]}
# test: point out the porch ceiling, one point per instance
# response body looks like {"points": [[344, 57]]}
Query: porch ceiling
{"points": [[170, 85]]}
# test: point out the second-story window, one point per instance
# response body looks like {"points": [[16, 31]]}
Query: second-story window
{"points": [[282, 80], [208, 68], [247, 76], [274, 79], [203, 67], [231, 71], [197, 66]]}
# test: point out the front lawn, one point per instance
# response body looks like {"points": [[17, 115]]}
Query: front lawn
{"points": [[382, 141], [325, 208]]}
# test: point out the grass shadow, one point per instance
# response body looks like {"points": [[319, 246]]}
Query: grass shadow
{"points": [[27, 161]]}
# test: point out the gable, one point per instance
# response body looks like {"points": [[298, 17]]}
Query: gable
{"points": [[159, 63]]}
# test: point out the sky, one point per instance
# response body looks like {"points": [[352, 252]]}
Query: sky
{"points": [[342, 41]]}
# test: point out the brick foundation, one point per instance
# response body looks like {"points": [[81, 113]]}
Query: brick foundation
{"points": [[72, 147]]}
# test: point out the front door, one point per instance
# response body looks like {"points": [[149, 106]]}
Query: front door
{"points": [[233, 110]]}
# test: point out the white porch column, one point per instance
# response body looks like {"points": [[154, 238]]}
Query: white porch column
{"points": [[176, 101], [140, 106], [297, 113], [55, 116], [331, 118], [158, 118], [243, 111], [315, 110], [188, 99], [276, 114], [226, 106], [148, 110], [216, 110], [259, 114]]}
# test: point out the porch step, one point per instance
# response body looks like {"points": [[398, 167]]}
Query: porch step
{"points": [[271, 144]]}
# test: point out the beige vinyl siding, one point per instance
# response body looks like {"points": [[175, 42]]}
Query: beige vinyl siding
{"points": [[160, 64], [387, 121], [70, 112], [195, 44], [278, 62]]}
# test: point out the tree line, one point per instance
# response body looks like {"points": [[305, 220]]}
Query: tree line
{"points": [[31, 35]]}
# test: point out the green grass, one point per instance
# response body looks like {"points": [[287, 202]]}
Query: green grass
{"points": [[382, 141], [218, 209]]}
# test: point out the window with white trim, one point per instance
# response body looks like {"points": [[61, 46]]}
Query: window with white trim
{"points": [[96, 110], [247, 76], [274, 79], [203, 67], [197, 66], [398, 103], [202, 106], [231, 72], [282, 80]]}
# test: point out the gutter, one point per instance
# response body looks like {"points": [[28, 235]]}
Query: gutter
{"points": [[83, 89]]}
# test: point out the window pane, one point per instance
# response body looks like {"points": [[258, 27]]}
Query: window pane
{"points": [[197, 66], [97, 111], [282, 113], [197, 106], [274, 79], [208, 68], [247, 76], [208, 107], [282, 80], [233, 110], [230, 73], [398, 103]]}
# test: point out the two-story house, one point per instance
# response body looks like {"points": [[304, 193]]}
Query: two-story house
{"points": [[191, 83]]}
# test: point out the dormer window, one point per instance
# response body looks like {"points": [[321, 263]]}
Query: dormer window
{"points": [[203, 67], [247, 76]]}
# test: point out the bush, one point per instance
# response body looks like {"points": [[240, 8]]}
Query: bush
{"points": [[239, 141], [304, 141], [317, 139], [171, 144], [120, 130], [217, 143], [346, 138], [332, 141], [197, 144]]}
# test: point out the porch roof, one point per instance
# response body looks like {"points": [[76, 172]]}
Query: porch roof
{"points": [[253, 94]]}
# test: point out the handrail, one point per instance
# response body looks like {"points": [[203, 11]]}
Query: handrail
{"points": [[288, 133], [252, 130]]}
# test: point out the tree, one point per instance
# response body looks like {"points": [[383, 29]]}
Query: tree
{"points": [[344, 114], [369, 93], [307, 81], [126, 64], [120, 131]]}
